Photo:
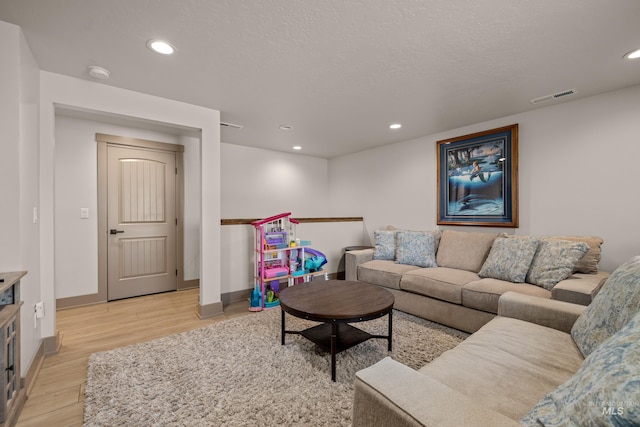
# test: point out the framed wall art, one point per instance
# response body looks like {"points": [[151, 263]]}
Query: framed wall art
{"points": [[478, 179]]}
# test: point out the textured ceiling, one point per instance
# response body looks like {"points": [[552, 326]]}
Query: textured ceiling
{"points": [[341, 71]]}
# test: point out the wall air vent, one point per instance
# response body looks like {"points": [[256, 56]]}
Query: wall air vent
{"points": [[230, 125], [553, 96]]}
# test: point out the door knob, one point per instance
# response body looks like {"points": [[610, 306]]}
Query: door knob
{"points": [[114, 231]]}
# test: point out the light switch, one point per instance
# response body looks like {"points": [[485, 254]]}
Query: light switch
{"points": [[84, 213], [39, 309]]}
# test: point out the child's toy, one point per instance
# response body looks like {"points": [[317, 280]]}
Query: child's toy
{"points": [[280, 255], [275, 287], [276, 239], [255, 303], [315, 261], [270, 273]]}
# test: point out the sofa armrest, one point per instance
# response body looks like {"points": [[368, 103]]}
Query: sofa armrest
{"points": [[353, 259], [554, 314], [392, 394], [579, 288]]}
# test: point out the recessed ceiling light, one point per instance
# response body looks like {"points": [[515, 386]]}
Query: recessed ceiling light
{"points": [[285, 127], [395, 126], [297, 147], [161, 46], [98, 72], [633, 55]]}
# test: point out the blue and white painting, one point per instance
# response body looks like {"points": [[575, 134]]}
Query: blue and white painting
{"points": [[475, 181]]}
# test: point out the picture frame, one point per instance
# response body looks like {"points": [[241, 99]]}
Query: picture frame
{"points": [[478, 178]]}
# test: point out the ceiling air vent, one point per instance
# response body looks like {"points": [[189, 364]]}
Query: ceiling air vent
{"points": [[553, 96], [230, 125]]}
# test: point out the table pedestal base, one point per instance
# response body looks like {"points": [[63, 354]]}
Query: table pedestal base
{"points": [[337, 337]]}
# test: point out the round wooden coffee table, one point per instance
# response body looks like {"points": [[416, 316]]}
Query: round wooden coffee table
{"points": [[336, 303]]}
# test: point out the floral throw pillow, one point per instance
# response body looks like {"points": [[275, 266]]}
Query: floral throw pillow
{"points": [[604, 391], [384, 244], [614, 305], [509, 258], [418, 248], [554, 261], [589, 262]]}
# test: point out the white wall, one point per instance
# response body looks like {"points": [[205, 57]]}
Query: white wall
{"points": [[390, 185], [577, 175], [260, 183], [19, 86], [29, 190], [192, 207], [10, 139]]}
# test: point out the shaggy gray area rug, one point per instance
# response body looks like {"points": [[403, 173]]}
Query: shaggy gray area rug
{"points": [[236, 373]]}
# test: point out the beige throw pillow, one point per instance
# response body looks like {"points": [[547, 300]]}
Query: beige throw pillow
{"points": [[464, 250]]}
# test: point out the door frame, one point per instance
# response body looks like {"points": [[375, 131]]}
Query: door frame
{"points": [[105, 141]]}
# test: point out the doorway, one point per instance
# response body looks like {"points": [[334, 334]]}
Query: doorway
{"points": [[140, 234]]}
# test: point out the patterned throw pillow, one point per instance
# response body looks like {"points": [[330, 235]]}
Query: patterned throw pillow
{"points": [[418, 248], [589, 262], [384, 244], [616, 303], [604, 391], [510, 258], [554, 261]]}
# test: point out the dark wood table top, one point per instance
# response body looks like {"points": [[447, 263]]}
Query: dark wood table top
{"points": [[336, 301]]}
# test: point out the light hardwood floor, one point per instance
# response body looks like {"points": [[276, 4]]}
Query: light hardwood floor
{"points": [[57, 396]]}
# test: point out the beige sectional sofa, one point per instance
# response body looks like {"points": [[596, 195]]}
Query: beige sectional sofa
{"points": [[451, 291], [541, 362]]}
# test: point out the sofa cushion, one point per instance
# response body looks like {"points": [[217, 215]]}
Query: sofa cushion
{"points": [[494, 365], [384, 244], [604, 391], [589, 262], [441, 282], [509, 258], [579, 288], [383, 273], [484, 294], [616, 303], [417, 247], [392, 394], [464, 250], [554, 261]]}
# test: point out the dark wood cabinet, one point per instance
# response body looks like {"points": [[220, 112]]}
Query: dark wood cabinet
{"points": [[12, 393]]}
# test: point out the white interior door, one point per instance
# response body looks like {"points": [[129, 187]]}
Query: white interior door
{"points": [[141, 218]]}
